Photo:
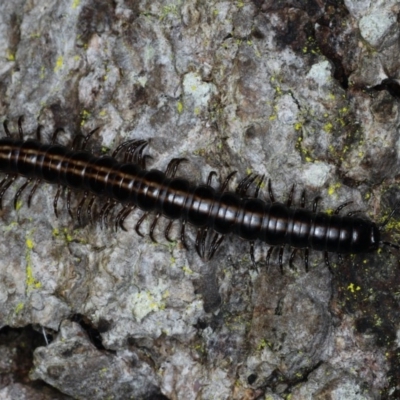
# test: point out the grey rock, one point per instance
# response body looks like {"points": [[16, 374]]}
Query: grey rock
{"points": [[292, 90]]}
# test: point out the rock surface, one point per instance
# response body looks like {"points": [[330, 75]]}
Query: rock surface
{"points": [[304, 92]]}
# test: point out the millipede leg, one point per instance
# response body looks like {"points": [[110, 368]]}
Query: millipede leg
{"points": [[280, 259], [215, 243], [119, 148], [201, 241], [152, 227], [326, 258], [20, 190], [55, 201], [123, 146], [259, 184], [107, 211], [270, 192], [38, 133], [80, 206], [118, 217], [315, 203], [351, 213], [76, 140], [135, 154], [55, 134], [167, 230], [6, 130], [253, 259], [269, 252], [87, 137], [306, 251], [172, 166], [303, 199], [292, 255], [290, 197], [20, 130], [5, 187], [89, 209], [209, 178], [137, 226], [337, 211], [33, 190], [121, 216], [143, 160], [4, 180], [389, 217], [102, 211], [132, 147], [227, 180], [183, 240], [393, 245], [245, 184], [130, 152], [244, 181], [198, 240], [139, 158], [69, 202]]}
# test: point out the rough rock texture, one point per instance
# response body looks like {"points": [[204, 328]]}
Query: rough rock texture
{"points": [[305, 92]]}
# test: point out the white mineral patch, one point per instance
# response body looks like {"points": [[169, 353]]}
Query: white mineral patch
{"points": [[377, 25], [287, 110], [357, 8], [321, 73], [317, 174], [146, 301], [198, 90]]}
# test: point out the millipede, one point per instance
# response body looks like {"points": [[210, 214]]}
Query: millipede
{"points": [[122, 179]]}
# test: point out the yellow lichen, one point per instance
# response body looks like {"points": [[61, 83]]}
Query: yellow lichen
{"points": [[179, 107], [332, 188], [30, 281], [68, 237], [18, 205], [29, 243], [59, 63], [352, 288], [10, 56], [85, 115], [42, 73], [328, 127], [19, 308], [187, 270]]}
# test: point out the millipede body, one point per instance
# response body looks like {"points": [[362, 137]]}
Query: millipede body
{"points": [[129, 183]]}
